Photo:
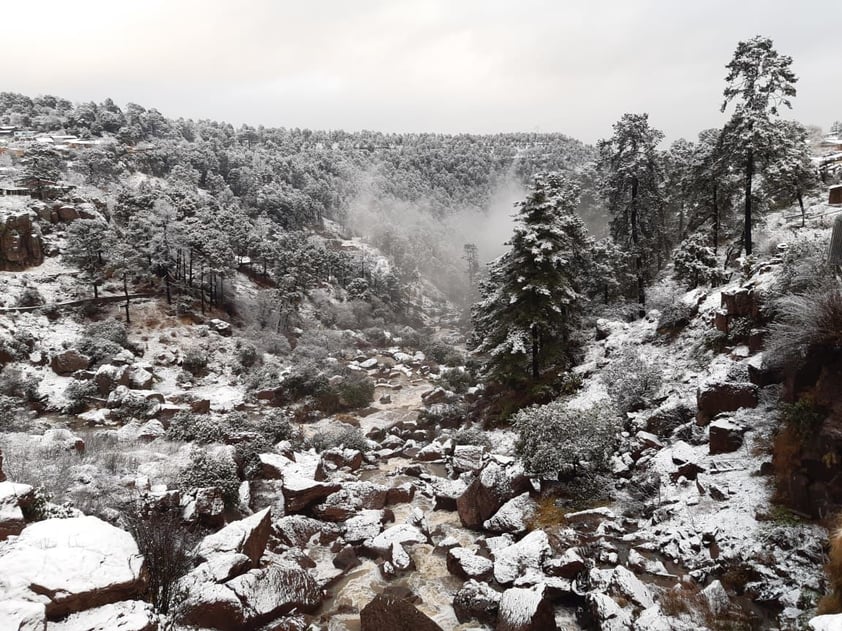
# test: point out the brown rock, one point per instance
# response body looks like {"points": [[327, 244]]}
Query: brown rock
{"points": [[385, 613], [68, 362], [723, 397], [20, 242], [725, 437], [493, 487]]}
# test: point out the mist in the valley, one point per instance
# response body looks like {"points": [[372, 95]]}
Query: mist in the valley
{"points": [[426, 244]]}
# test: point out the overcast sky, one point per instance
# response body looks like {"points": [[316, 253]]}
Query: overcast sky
{"points": [[419, 65]]}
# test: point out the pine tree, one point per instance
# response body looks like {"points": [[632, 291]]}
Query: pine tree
{"points": [[791, 173], [632, 174], [531, 298], [759, 80]]}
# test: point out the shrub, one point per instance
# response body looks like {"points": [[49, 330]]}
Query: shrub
{"points": [[206, 471], [305, 381], [133, 407], [275, 426], [443, 354], [195, 361], [471, 436], [804, 322], [247, 454], [356, 392], [456, 380], [196, 428], [675, 317], [247, 354], [344, 437], [15, 383], [695, 262], [77, 394], [30, 297], [554, 437], [166, 544], [102, 340], [631, 382], [803, 416], [803, 267], [10, 416]]}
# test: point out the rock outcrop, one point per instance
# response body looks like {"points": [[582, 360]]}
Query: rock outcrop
{"points": [[21, 245], [70, 565]]}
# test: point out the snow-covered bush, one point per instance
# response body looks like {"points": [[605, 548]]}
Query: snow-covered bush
{"points": [[631, 381], [276, 426], [457, 380], [102, 340], [355, 392], [344, 437], [555, 437], [471, 436], [195, 361], [247, 354], [196, 428], [803, 323], [803, 267], [443, 354], [15, 383], [77, 394], [132, 408], [695, 262], [205, 471], [30, 297]]}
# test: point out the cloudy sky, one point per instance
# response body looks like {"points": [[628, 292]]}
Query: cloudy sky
{"points": [[572, 66]]}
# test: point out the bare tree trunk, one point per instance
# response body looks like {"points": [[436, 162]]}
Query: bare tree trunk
{"points": [[715, 219], [749, 177], [801, 204], [638, 258], [535, 350], [126, 292]]}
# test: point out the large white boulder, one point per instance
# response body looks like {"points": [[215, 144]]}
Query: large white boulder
{"points": [[129, 615], [246, 536], [70, 565]]}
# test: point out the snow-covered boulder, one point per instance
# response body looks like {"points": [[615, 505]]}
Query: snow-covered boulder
{"points": [[607, 614], [725, 436], [367, 524], [522, 560], [70, 565], [345, 502], [513, 516], [246, 536], [252, 599], [69, 361], [716, 398], [526, 609], [403, 534], [495, 485], [465, 564], [128, 615], [14, 499], [22, 615], [386, 613], [828, 622], [296, 530], [476, 600]]}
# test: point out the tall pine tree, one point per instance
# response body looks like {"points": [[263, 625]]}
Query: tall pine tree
{"points": [[531, 299], [632, 174], [759, 81]]}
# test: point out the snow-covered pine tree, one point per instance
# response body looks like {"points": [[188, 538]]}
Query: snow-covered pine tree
{"points": [[530, 300], [695, 261], [791, 173], [632, 173], [759, 80]]}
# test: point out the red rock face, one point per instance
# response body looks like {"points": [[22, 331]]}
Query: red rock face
{"points": [[724, 397], [20, 243]]}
